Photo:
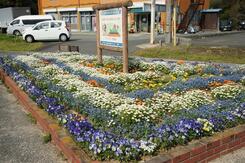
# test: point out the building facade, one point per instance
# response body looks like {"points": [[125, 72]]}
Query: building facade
{"points": [[80, 14]]}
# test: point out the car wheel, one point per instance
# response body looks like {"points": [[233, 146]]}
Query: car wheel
{"points": [[17, 33], [29, 39], [63, 38]]}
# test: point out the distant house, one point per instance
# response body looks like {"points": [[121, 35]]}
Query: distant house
{"points": [[190, 12], [210, 19]]}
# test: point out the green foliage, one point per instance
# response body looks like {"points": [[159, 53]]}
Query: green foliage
{"points": [[31, 118], [221, 55], [13, 43], [20, 3], [227, 91], [47, 138], [232, 9]]}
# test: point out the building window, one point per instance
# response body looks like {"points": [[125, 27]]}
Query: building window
{"points": [[88, 21], [69, 17]]}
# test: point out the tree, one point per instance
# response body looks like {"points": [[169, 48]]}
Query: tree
{"points": [[20, 3], [232, 9]]}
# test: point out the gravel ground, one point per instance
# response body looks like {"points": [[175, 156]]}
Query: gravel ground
{"points": [[234, 157], [21, 141]]}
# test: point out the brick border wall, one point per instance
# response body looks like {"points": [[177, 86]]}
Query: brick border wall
{"points": [[202, 150], [205, 149], [60, 137]]}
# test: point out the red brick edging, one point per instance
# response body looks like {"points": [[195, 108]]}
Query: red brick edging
{"points": [[59, 136], [203, 150]]}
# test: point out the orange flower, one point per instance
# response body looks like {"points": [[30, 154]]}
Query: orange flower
{"points": [[139, 102], [180, 62], [46, 62], [94, 83], [111, 66], [215, 84], [90, 65], [103, 71], [228, 82]]}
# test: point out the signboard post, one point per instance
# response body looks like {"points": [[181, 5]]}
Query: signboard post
{"points": [[112, 29]]}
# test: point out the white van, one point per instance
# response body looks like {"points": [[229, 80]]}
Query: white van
{"points": [[19, 24]]}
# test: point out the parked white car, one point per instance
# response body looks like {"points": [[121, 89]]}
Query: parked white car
{"points": [[47, 30], [18, 25]]}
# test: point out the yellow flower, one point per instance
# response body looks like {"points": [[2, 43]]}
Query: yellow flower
{"points": [[173, 77], [186, 74]]}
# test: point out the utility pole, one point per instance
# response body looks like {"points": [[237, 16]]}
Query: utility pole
{"points": [[153, 16], [168, 35], [174, 23]]}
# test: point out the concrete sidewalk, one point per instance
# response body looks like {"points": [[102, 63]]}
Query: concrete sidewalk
{"points": [[234, 157], [207, 34], [21, 141]]}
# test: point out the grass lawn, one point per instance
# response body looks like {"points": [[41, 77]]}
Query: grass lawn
{"points": [[225, 55], [13, 43]]}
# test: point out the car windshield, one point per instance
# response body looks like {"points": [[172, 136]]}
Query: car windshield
{"points": [[15, 22], [224, 22]]}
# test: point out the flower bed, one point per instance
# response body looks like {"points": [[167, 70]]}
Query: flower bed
{"points": [[114, 116]]}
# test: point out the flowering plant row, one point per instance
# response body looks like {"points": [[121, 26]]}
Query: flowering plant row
{"points": [[104, 145], [148, 75], [119, 106], [129, 125]]}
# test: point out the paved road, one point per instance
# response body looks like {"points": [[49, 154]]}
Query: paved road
{"points": [[21, 140], [231, 40], [87, 42], [234, 157]]}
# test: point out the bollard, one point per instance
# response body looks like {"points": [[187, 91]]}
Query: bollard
{"points": [[160, 43], [64, 48], [68, 48], [74, 48]]}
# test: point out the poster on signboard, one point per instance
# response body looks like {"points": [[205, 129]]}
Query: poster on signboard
{"points": [[111, 27]]}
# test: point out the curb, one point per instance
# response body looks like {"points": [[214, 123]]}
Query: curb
{"points": [[203, 35], [60, 137], [205, 149], [202, 150]]}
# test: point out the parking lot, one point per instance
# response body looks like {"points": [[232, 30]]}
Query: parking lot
{"points": [[87, 42], [235, 40]]}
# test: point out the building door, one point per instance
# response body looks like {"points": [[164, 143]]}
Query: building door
{"points": [[93, 23], [138, 23], [209, 21], [83, 26], [86, 23], [145, 22]]}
